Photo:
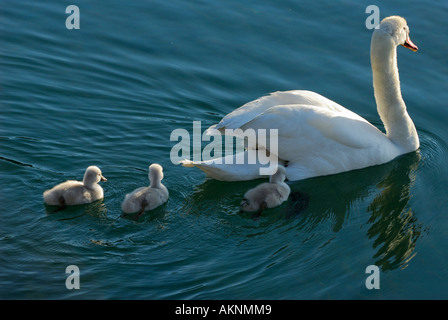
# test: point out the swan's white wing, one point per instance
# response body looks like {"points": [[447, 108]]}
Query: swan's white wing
{"points": [[320, 142], [309, 129], [251, 110]]}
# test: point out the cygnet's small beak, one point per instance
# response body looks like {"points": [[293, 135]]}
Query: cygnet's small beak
{"points": [[409, 44], [103, 178]]}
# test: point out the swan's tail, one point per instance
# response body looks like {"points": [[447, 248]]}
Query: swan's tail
{"points": [[230, 168]]}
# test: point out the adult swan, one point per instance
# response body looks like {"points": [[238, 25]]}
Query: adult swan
{"points": [[317, 136]]}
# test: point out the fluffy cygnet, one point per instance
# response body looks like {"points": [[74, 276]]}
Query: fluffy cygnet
{"points": [[75, 192], [147, 198], [267, 195]]}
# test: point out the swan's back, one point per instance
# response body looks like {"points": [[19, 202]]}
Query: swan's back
{"points": [[133, 201], [149, 197], [267, 195], [249, 111], [72, 193]]}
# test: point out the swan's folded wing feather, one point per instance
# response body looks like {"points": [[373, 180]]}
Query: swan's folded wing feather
{"points": [[351, 132], [319, 126], [255, 108]]}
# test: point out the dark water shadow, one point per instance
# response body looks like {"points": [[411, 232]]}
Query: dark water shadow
{"points": [[95, 209], [148, 216], [394, 225], [386, 190]]}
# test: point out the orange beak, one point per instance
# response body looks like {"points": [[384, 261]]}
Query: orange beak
{"points": [[410, 45]]}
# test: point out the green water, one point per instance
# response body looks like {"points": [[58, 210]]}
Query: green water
{"points": [[110, 94]]}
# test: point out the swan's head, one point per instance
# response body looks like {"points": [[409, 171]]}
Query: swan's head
{"points": [[249, 206], [93, 175], [398, 29], [155, 173], [279, 176]]}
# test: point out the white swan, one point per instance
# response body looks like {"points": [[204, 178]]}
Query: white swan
{"points": [[267, 195], [75, 192], [317, 136], [147, 198]]}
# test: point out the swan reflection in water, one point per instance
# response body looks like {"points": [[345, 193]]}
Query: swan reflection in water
{"points": [[386, 191], [393, 223], [383, 192], [96, 209]]}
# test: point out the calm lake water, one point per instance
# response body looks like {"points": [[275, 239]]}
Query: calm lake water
{"points": [[110, 94]]}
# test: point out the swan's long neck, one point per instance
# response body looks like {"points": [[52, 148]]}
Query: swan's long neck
{"points": [[155, 184], [155, 180], [88, 182], [277, 177], [386, 83]]}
